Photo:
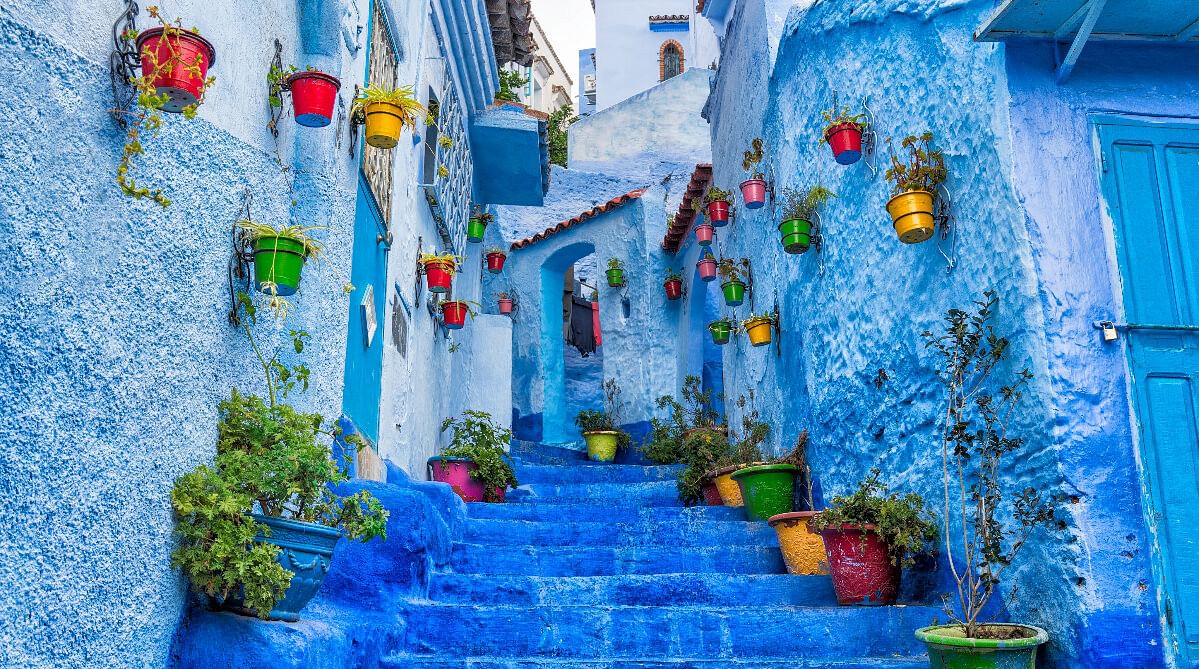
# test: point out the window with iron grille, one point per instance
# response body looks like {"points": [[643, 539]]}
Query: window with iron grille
{"points": [[449, 192], [382, 71]]}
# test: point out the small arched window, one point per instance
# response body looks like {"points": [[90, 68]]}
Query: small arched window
{"points": [[670, 60]]}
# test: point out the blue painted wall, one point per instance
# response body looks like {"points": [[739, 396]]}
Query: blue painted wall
{"points": [[1023, 180]]}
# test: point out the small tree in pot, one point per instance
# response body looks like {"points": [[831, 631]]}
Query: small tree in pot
{"points": [[475, 463], [601, 429], [974, 440]]}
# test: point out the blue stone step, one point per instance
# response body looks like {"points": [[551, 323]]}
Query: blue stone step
{"points": [[530, 451], [612, 561], [631, 632], [653, 493], [613, 512], [550, 663], [594, 473], [647, 590], [632, 532]]}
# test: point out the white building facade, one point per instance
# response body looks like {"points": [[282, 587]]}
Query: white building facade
{"points": [[549, 86]]}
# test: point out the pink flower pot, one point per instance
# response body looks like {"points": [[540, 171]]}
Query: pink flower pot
{"points": [[505, 306], [703, 234], [753, 192], [456, 472], [718, 211], [707, 268]]}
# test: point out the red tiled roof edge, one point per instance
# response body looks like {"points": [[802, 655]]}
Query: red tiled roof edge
{"points": [[685, 216], [591, 213]]}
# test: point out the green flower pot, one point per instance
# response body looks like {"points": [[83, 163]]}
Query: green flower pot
{"points": [[721, 331], [734, 292], [766, 489], [948, 648], [278, 260], [475, 229], [797, 235], [615, 277]]}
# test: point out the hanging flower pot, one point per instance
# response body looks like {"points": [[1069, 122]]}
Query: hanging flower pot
{"points": [[796, 235], [313, 94], [860, 562], [674, 288], [734, 292], [278, 262], [384, 122], [802, 547], [1013, 646], [912, 214], [766, 489], [707, 268], [703, 234], [495, 261], [505, 305], [455, 312], [718, 213], [189, 56], [476, 227], [456, 472], [760, 329], [615, 272], [601, 445], [845, 139], [721, 331], [439, 271], [753, 193]]}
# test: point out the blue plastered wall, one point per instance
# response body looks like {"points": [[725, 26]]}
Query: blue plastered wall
{"points": [[1024, 190]]}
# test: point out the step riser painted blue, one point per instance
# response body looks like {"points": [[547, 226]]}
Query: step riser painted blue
{"points": [[658, 590], [578, 561], [587, 632], [412, 663], [528, 472], [658, 493], [600, 513], [637, 533]]}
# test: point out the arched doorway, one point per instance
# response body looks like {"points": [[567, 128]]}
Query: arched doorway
{"points": [[557, 419]]}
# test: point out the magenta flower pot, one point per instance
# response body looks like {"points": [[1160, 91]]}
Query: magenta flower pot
{"points": [[707, 268], [753, 192], [703, 234], [456, 472]]}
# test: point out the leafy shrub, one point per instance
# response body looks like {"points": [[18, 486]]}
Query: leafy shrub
{"points": [[608, 420], [477, 438], [901, 521]]}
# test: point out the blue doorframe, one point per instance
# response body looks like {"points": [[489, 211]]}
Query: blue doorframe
{"points": [[364, 345], [1150, 175]]}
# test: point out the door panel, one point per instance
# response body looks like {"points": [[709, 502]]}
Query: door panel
{"points": [[1151, 184], [364, 341]]}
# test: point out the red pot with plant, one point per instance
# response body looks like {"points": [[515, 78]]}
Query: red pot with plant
{"points": [[718, 206], [753, 190], [504, 301], [455, 313], [703, 234], [843, 133], [861, 565], [673, 285], [439, 270], [495, 261], [707, 267], [313, 95], [179, 60]]}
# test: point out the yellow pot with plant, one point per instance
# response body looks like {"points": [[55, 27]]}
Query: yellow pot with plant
{"points": [[760, 328], [386, 113], [915, 179]]}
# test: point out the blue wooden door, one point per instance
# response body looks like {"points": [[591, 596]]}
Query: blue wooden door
{"points": [[1151, 184], [364, 341]]}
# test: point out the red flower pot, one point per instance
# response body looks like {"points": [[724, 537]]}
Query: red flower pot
{"points": [[495, 262], [861, 566], [718, 211], [455, 314], [712, 493], [674, 288], [438, 276], [845, 139], [181, 50], [703, 234], [707, 268], [505, 306], [313, 95], [753, 192]]}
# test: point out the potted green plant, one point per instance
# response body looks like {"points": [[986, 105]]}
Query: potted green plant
{"points": [[981, 539], [753, 190], [869, 536], [495, 260], [257, 527], [843, 133], [386, 112], [696, 413], [175, 79], [798, 210], [801, 545], [721, 330], [504, 301], [475, 464], [454, 313], [280, 254], [476, 227], [673, 284], [717, 201], [615, 272], [915, 180], [601, 429], [732, 285]]}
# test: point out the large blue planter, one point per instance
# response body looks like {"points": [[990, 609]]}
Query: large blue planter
{"points": [[306, 550]]}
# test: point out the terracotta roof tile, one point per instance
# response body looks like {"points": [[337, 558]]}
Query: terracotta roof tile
{"points": [[591, 213], [686, 214]]}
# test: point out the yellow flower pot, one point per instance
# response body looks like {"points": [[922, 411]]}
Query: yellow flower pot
{"points": [[384, 122], [759, 330], [730, 490], [912, 214], [803, 549], [601, 445]]}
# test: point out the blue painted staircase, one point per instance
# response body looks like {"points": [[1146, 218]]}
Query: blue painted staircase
{"points": [[593, 566]]}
